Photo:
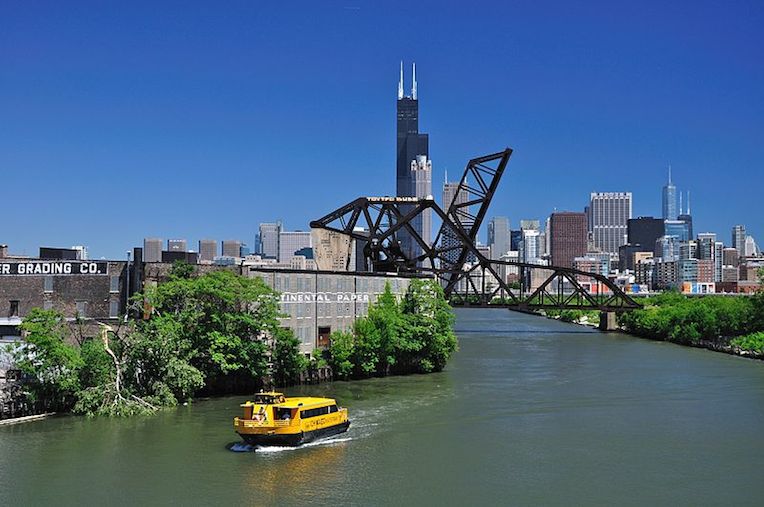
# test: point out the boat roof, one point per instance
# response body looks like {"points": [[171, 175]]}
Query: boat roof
{"points": [[298, 402]]}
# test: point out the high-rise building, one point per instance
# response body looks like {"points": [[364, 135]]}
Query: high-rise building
{"points": [[609, 213], [177, 245], [568, 233], [208, 250], [738, 239], [731, 257], [515, 237], [529, 246], [449, 239], [290, 242], [686, 217], [498, 237], [750, 249], [530, 225], [421, 180], [677, 228], [231, 248], [669, 199], [152, 249], [269, 240], [411, 145], [644, 231]]}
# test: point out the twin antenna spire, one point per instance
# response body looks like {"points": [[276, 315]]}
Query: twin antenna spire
{"points": [[413, 85]]}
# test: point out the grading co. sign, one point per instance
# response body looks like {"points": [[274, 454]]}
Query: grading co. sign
{"points": [[54, 268]]}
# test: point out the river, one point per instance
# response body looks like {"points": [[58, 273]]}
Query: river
{"points": [[529, 412]]}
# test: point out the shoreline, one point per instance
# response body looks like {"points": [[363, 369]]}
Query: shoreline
{"points": [[713, 346]]}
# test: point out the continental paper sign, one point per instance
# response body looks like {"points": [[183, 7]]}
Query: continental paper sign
{"points": [[323, 297], [54, 268]]}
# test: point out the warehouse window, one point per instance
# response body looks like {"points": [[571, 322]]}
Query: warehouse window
{"points": [[82, 307], [114, 284], [14, 311], [47, 304], [113, 309], [48, 284]]}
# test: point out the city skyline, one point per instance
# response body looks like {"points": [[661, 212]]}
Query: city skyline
{"points": [[131, 132]]}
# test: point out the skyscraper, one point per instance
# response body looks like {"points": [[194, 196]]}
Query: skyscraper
{"points": [[498, 237], [269, 240], [686, 217], [449, 239], [410, 142], [645, 231], [410, 146], [609, 213], [290, 242], [231, 248], [669, 199], [177, 245], [208, 249], [152, 250], [567, 232], [738, 239], [421, 180]]}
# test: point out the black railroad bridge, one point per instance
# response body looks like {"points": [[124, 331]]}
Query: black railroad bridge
{"points": [[467, 276]]}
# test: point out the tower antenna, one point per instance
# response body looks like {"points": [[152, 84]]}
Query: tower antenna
{"points": [[688, 202], [413, 84], [680, 203], [400, 83]]}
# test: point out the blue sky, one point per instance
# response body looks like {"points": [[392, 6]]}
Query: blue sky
{"points": [[195, 119]]}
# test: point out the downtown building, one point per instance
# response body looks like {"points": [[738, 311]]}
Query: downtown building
{"points": [[269, 240], [567, 237], [608, 217], [499, 239], [413, 165]]}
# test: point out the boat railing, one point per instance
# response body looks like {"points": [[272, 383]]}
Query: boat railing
{"points": [[252, 423]]}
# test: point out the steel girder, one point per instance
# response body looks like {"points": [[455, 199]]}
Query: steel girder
{"points": [[377, 221]]}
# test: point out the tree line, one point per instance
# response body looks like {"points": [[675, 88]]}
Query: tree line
{"points": [[735, 321]]}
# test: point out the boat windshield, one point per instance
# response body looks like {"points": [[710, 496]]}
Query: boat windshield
{"points": [[269, 399]]}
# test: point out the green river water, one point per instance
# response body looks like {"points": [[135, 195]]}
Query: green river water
{"points": [[529, 412]]}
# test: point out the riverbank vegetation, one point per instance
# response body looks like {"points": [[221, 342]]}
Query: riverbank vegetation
{"points": [[719, 322], [218, 333], [414, 335], [206, 334]]}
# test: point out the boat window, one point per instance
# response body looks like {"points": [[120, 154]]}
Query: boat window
{"points": [[283, 413], [314, 412], [332, 409]]}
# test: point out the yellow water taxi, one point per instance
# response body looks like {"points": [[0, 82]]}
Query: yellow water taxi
{"points": [[272, 419]]}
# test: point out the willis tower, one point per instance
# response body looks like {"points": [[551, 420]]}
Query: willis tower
{"points": [[413, 166]]}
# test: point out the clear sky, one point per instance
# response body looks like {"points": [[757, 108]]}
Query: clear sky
{"points": [[199, 119]]}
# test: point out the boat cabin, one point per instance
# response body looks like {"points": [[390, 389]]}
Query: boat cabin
{"points": [[269, 398]]}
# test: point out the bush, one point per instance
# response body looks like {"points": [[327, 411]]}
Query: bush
{"points": [[753, 342], [413, 336]]}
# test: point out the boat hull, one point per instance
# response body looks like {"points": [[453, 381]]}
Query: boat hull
{"points": [[294, 439]]}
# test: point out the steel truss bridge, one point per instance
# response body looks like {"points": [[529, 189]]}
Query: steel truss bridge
{"points": [[467, 276]]}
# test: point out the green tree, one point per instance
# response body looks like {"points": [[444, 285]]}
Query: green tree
{"points": [[222, 319], [288, 362], [48, 358], [342, 354]]}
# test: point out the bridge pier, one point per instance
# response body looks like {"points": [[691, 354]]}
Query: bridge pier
{"points": [[608, 321]]}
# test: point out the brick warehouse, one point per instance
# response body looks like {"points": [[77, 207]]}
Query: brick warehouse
{"points": [[91, 290], [315, 303]]}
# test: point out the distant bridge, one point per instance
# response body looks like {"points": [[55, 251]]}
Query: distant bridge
{"points": [[467, 276]]}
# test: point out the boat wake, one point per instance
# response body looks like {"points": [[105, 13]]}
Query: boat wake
{"points": [[266, 449], [315, 443]]}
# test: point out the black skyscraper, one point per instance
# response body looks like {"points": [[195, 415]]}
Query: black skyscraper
{"points": [[410, 142], [645, 231]]}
